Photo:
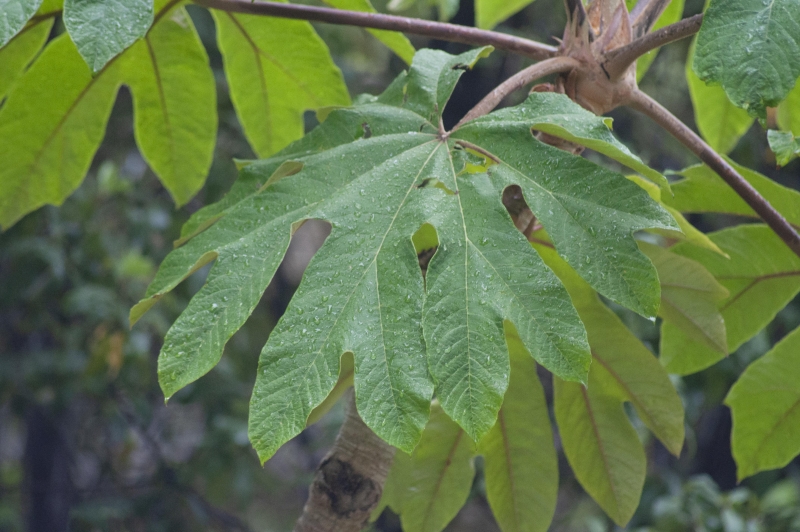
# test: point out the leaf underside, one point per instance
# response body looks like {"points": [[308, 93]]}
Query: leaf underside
{"points": [[377, 172]]}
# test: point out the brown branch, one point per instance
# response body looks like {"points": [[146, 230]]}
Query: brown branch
{"points": [[427, 28], [553, 65], [349, 481], [619, 59], [646, 105]]}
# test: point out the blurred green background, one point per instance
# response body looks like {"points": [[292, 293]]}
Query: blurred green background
{"points": [[86, 442]]}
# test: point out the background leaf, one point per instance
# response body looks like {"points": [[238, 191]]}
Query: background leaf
{"points": [[430, 486], [520, 462], [784, 145], [789, 112], [14, 14], [276, 69], [719, 120], [762, 276], [46, 154], [489, 13], [174, 99], [102, 29], [671, 14], [765, 404], [703, 190], [752, 48], [689, 297], [396, 41]]}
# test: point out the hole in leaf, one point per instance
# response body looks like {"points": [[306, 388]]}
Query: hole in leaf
{"points": [[521, 214], [426, 241]]}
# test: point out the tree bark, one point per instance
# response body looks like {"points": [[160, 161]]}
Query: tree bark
{"points": [[349, 481]]}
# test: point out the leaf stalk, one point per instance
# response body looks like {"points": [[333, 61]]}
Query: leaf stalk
{"points": [[643, 103], [426, 28]]}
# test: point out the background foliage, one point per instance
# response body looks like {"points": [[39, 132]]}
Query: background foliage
{"points": [[85, 440]]}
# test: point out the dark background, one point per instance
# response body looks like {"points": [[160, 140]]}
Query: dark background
{"points": [[86, 442]]}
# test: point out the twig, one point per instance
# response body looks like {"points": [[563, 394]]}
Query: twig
{"points": [[427, 28], [619, 59], [553, 65], [646, 105]]}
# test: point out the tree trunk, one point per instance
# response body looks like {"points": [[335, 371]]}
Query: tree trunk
{"points": [[349, 481]]}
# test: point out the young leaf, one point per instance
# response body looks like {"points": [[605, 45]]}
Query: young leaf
{"points": [[397, 42], [762, 276], [174, 101], [489, 13], [589, 212], [688, 232], [14, 14], [521, 467], [752, 48], [429, 487], [765, 403], [784, 145], [102, 29], [20, 51], [276, 69], [46, 154], [703, 190], [719, 120], [689, 297], [629, 370]]}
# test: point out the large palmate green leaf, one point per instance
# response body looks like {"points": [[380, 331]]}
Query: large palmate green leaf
{"points": [[521, 466], [378, 172], [765, 403], [489, 13], [752, 48], [761, 276], [689, 297], [174, 102], [703, 190], [46, 153], [429, 487], [601, 445], [102, 29], [13, 16], [396, 41], [719, 120], [276, 69], [20, 51]]}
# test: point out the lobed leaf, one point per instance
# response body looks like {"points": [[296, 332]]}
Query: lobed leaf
{"points": [[765, 403], [102, 29], [719, 120], [429, 487], [174, 101], [689, 297], [14, 14], [520, 462], [276, 70], [47, 153], [761, 276], [395, 41], [751, 48]]}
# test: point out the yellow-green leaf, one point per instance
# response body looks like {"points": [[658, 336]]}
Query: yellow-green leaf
{"points": [[277, 69], [521, 467], [489, 13], [48, 137], [175, 105], [765, 403]]}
